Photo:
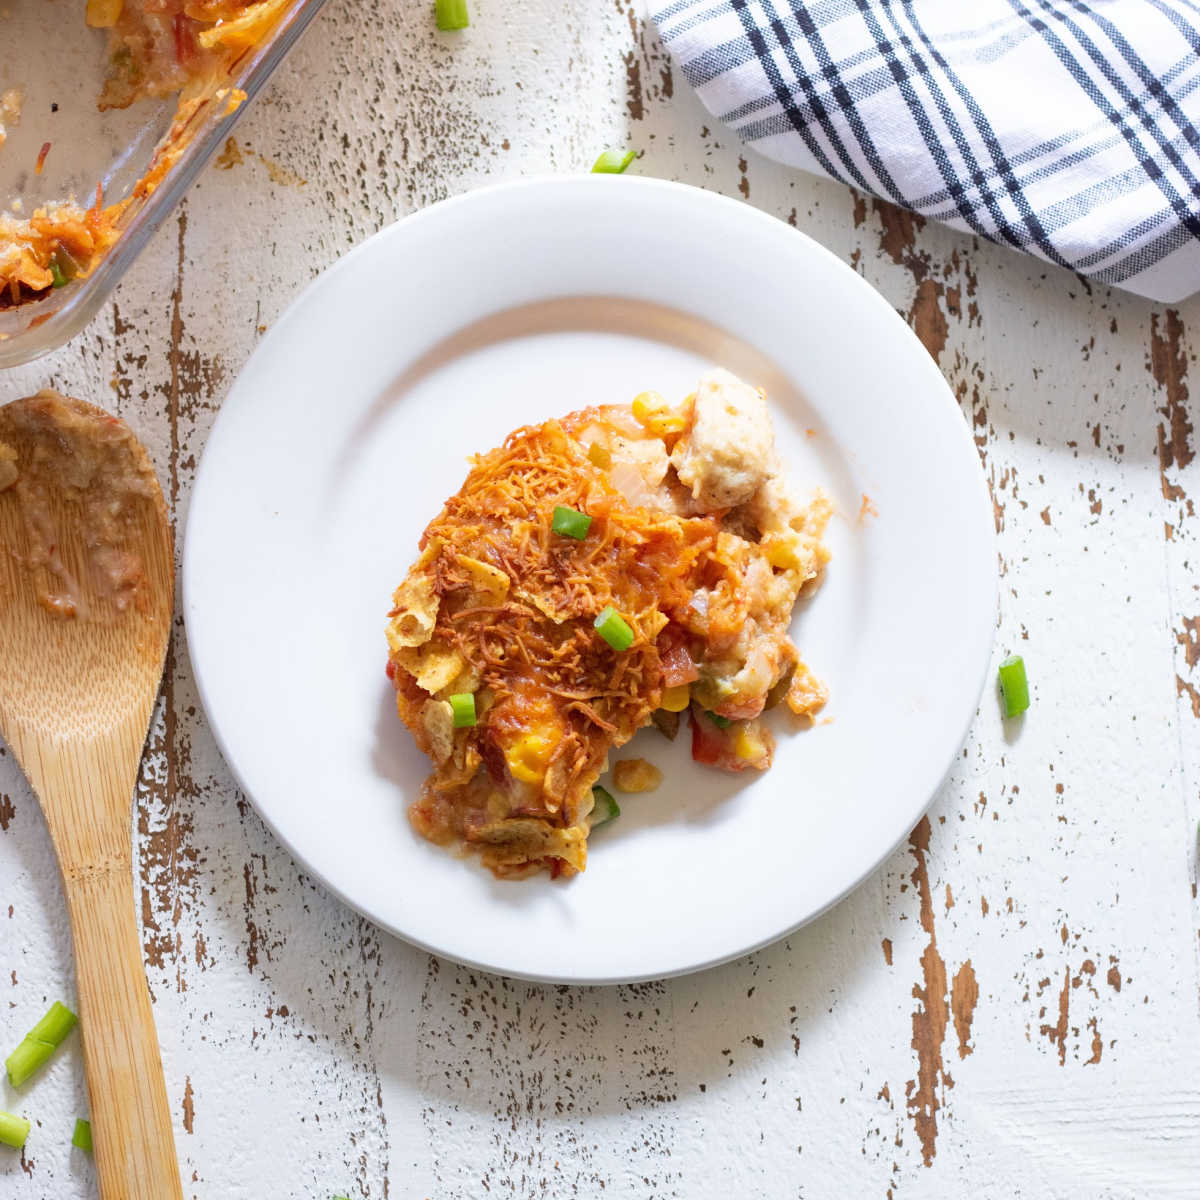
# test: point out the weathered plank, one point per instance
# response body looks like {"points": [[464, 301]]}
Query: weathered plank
{"points": [[1012, 997]]}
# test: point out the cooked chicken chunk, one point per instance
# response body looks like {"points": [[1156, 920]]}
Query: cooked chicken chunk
{"points": [[728, 450]]}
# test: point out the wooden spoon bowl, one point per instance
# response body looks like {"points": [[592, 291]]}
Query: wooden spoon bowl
{"points": [[86, 590]]}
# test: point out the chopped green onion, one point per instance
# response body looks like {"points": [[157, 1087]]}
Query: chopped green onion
{"points": [[13, 1130], [60, 280], [605, 808], [26, 1060], [55, 1025], [719, 721], [1014, 686], [570, 523], [614, 629], [613, 162], [82, 1137], [463, 708], [39, 1043], [451, 14]]}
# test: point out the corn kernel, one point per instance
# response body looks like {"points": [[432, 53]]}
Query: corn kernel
{"points": [[653, 413], [599, 456], [666, 423], [528, 756], [647, 403], [636, 775], [746, 742], [676, 699]]}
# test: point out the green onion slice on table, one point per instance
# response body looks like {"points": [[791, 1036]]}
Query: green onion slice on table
{"points": [[39, 1043], [13, 1130], [613, 162], [1014, 686], [82, 1137], [451, 14]]}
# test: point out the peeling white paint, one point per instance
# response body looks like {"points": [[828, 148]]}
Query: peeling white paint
{"points": [[320, 1057]]}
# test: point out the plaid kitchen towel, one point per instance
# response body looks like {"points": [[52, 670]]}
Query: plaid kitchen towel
{"points": [[1062, 127]]}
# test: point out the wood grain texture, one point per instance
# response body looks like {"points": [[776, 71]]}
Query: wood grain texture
{"points": [[87, 580], [309, 1055]]}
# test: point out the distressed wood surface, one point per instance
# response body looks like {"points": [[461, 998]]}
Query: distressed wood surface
{"points": [[1007, 1008]]}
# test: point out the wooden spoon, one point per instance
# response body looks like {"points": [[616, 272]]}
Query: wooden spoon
{"points": [[87, 584]]}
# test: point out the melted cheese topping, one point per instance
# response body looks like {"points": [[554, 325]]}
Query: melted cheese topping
{"points": [[499, 605]]}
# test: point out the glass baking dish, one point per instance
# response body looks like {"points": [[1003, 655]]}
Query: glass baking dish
{"points": [[86, 147]]}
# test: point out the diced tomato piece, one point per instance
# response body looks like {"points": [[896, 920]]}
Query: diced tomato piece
{"points": [[677, 665], [708, 744]]}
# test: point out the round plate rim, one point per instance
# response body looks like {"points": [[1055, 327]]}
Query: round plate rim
{"points": [[410, 225]]}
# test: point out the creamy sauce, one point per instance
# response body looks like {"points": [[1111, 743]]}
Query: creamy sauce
{"points": [[64, 461]]}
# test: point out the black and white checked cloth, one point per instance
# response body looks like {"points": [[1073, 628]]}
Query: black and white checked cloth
{"points": [[1063, 128]]}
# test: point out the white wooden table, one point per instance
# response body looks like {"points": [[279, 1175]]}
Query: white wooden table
{"points": [[1007, 1008]]}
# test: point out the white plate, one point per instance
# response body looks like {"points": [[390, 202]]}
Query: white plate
{"points": [[351, 424]]}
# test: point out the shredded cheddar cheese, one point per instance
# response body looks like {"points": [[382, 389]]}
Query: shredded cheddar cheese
{"points": [[499, 606]]}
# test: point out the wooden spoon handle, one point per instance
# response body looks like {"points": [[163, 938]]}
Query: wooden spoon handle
{"points": [[131, 1122]]}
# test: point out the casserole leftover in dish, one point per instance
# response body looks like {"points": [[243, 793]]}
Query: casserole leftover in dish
{"points": [[155, 48]]}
